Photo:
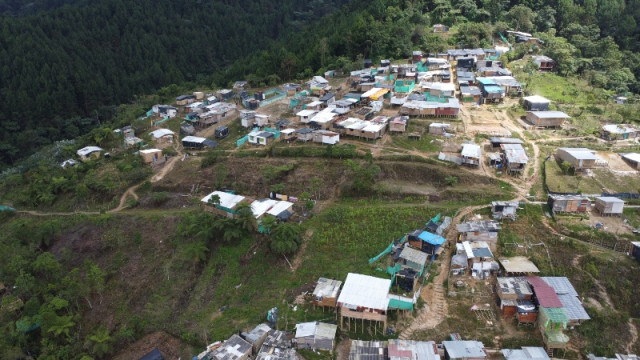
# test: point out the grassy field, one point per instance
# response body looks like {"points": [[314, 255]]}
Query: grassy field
{"points": [[562, 183], [426, 143]]}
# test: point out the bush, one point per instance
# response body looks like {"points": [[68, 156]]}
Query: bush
{"points": [[159, 198]]}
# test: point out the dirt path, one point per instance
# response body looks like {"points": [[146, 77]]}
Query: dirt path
{"points": [[37, 213], [300, 255], [634, 336], [434, 294]]}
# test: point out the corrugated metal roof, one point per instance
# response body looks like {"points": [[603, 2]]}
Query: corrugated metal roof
{"points": [[471, 150], [430, 238], [580, 153], [479, 226], [327, 288], [227, 200], [365, 291], [550, 114], [560, 284], [545, 294], [526, 353], [412, 350], [367, 350], [537, 99], [573, 307], [413, 255], [514, 285], [609, 199], [464, 349], [519, 264], [514, 153]]}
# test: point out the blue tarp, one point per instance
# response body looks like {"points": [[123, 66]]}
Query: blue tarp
{"points": [[430, 238]]}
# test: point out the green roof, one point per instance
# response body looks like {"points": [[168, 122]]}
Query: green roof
{"points": [[554, 316]]}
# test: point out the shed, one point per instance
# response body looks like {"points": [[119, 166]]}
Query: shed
{"points": [[471, 154], [89, 152], [536, 103], [439, 28], [316, 336], [235, 348], [608, 205], [497, 141], [504, 209], [543, 62], [425, 241], [464, 350], [526, 353], [580, 158], [412, 259], [306, 115], [364, 297], [398, 124], [632, 159], [470, 94], [304, 134], [162, 136], [518, 265], [515, 157], [526, 312], [152, 156], [409, 350], [368, 350], [568, 203], [326, 292], [195, 142], [513, 288], [547, 118], [288, 134], [438, 128], [259, 137], [185, 99], [326, 137]]}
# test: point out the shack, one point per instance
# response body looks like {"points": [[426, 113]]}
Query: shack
{"points": [[398, 124], [526, 353], [410, 258], [304, 134], [619, 132], [579, 158], [543, 62], [609, 206], [464, 350], [198, 143], [152, 156], [326, 292], [497, 141], [315, 336], [89, 152], [438, 128], [364, 297], [162, 136], [568, 203], [546, 118], [470, 94], [256, 336], [259, 137], [635, 250], [515, 158], [536, 103], [326, 137], [471, 154], [425, 241], [504, 209], [632, 159], [510, 290]]}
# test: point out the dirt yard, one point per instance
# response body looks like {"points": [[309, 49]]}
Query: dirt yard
{"points": [[616, 163]]}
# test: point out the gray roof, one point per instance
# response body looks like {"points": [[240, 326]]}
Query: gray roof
{"points": [[504, 140], [460, 260], [609, 199], [514, 285], [413, 255], [277, 338], [471, 150], [464, 349], [580, 153], [479, 226], [482, 252], [423, 350], [560, 284], [257, 333], [567, 197], [367, 350], [527, 353], [471, 90], [550, 114], [234, 348], [327, 288], [537, 99], [275, 353], [573, 307], [514, 153]]}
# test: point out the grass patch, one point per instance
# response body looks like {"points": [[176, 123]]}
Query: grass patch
{"points": [[561, 183]]}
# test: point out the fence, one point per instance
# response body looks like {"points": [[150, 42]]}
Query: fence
{"points": [[276, 132], [242, 140], [270, 98]]}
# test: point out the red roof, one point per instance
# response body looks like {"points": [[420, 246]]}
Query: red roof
{"points": [[545, 294]]}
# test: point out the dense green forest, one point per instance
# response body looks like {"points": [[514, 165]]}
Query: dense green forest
{"points": [[63, 70]]}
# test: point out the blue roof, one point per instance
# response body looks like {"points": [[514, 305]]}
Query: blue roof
{"points": [[432, 239], [485, 81]]}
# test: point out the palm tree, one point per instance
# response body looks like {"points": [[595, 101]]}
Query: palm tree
{"points": [[285, 238], [196, 251], [101, 341], [246, 220]]}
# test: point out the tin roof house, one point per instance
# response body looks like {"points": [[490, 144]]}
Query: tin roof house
{"points": [[546, 118], [471, 154], [619, 132], [316, 336], [425, 241], [568, 203], [368, 350], [579, 158], [504, 209], [536, 103], [609, 206], [515, 158], [485, 230], [409, 350], [227, 204], [235, 348], [464, 350], [526, 353], [364, 297]]}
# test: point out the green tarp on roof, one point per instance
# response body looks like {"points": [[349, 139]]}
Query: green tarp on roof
{"points": [[556, 318]]}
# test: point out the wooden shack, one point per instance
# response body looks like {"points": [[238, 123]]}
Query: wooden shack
{"points": [[536, 103], [152, 156], [568, 203], [546, 118], [609, 206], [486, 230], [315, 336], [398, 124], [326, 292]]}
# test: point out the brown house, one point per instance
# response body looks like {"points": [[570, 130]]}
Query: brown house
{"points": [[326, 292], [546, 118], [568, 203]]}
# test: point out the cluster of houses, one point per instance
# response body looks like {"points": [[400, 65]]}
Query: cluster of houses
{"points": [[604, 205]]}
